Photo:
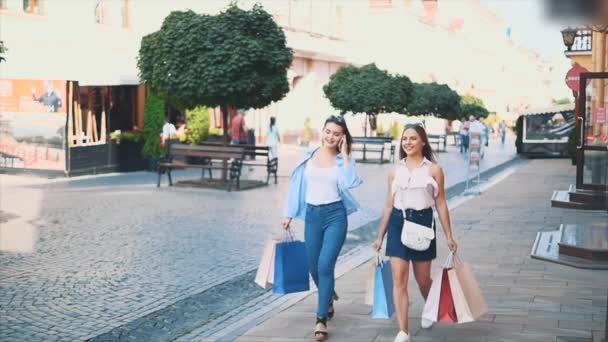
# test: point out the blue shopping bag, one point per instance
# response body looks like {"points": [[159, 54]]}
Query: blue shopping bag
{"points": [[290, 268], [383, 306]]}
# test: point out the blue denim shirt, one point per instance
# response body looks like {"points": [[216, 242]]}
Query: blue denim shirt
{"points": [[347, 179]]}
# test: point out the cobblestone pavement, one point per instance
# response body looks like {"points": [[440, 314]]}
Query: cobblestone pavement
{"points": [[108, 250]]}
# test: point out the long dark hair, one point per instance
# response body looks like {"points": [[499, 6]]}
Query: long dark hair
{"points": [[273, 121], [427, 151], [339, 120]]}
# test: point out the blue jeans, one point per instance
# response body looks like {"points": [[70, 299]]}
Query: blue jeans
{"points": [[325, 228], [464, 143], [238, 142]]}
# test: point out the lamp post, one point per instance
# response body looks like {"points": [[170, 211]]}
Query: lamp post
{"points": [[568, 35]]}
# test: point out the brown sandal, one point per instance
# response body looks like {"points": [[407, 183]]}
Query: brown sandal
{"points": [[331, 311], [321, 329]]}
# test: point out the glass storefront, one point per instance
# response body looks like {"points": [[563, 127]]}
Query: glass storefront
{"points": [[592, 170]]}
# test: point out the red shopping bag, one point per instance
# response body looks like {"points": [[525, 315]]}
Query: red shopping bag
{"points": [[447, 311]]}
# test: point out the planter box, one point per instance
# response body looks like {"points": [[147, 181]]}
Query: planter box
{"points": [[215, 138], [130, 157]]}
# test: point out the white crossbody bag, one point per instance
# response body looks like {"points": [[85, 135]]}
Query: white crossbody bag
{"points": [[414, 235]]}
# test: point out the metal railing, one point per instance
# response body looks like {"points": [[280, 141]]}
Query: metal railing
{"points": [[582, 41]]}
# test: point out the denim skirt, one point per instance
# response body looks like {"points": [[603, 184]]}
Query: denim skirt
{"points": [[394, 246]]}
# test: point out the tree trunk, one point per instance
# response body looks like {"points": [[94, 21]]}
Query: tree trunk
{"points": [[365, 132], [225, 114]]}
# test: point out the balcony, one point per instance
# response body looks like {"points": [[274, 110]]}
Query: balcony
{"points": [[582, 43]]}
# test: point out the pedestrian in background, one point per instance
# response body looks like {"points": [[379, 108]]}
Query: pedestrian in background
{"points": [[415, 185], [464, 136], [168, 131], [319, 194], [485, 133], [502, 128], [456, 125], [239, 128], [273, 138]]}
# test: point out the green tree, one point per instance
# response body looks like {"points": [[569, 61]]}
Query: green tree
{"points": [[237, 58], [519, 131], [435, 99], [562, 101], [3, 50], [198, 125], [368, 90], [471, 105], [154, 119], [573, 141]]}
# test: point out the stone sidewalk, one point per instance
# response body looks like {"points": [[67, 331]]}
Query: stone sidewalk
{"points": [[529, 300]]}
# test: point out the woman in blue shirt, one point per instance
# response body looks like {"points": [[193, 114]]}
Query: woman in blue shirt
{"points": [[319, 195]]}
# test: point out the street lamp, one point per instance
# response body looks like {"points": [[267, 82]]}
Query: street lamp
{"points": [[568, 35]]}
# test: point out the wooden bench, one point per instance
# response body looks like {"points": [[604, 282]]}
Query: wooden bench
{"points": [[271, 164], [378, 144], [439, 139], [212, 157], [253, 151]]}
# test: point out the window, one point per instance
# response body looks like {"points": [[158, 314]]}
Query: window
{"points": [[110, 13], [125, 13], [33, 6], [380, 3], [99, 11]]}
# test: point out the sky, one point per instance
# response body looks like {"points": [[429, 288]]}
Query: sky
{"points": [[530, 26]]}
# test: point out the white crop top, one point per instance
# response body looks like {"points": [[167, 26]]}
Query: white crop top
{"points": [[321, 184], [416, 189]]}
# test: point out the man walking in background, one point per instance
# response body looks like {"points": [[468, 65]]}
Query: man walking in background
{"points": [[239, 128]]}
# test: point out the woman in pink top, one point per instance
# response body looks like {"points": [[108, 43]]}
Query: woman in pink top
{"points": [[415, 185]]}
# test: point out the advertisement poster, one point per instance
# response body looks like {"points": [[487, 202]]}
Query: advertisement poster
{"points": [[32, 124], [600, 115]]}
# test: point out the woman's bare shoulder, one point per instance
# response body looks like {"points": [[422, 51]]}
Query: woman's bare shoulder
{"points": [[436, 169]]}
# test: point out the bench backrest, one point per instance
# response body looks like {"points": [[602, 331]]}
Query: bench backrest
{"points": [[372, 140], [250, 150], [207, 151]]}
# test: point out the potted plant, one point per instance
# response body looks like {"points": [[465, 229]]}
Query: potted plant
{"points": [[519, 129], [215, 134], [130, 145]]}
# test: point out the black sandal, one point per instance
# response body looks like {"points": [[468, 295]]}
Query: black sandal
{"points": [[321, 331]]}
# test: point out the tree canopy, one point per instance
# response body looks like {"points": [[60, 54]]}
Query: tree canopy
{"points": [[471, 105], [236, 58], [368, 90], [435, 99]]}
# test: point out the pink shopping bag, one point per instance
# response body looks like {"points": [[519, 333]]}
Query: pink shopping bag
{"points": [[470, 289], [265, 274], [463, 313], [431, 306], [447, 311]]}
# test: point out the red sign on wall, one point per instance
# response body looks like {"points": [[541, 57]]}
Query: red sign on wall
{"points": [[573, 77]]}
